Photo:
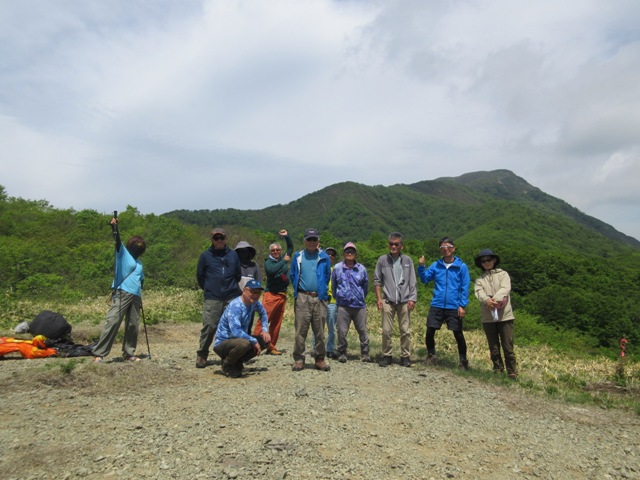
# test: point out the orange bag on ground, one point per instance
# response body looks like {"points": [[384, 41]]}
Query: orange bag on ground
{"points": [[35, 348]]}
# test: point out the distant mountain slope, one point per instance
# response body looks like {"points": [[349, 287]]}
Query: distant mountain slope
{"points": [[475, 206]]}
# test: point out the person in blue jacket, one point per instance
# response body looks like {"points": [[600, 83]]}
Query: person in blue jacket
{"points": [[218, 273], [310, 272], [450, 298]]}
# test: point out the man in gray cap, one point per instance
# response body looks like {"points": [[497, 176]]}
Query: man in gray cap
{"points": [[218, 274], [310, 273]]}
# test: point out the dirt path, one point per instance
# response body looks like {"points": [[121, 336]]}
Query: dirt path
{"points": [[162, 418]]}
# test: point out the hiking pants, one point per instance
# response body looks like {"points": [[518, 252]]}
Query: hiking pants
{"points": [[501, 333], [126, 306], [309, 312], [211, 312], [401, 310], [344, 318]]}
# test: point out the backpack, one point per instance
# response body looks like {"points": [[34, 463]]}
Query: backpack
{"points": [[50, 324]]}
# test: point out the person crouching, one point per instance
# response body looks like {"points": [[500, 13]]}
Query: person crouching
{"points": [[233, 344]]}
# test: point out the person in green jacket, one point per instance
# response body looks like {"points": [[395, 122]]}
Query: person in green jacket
{"points": [[274, 299]]}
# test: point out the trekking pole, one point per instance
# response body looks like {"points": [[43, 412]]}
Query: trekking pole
{"points": [[146, 335]]}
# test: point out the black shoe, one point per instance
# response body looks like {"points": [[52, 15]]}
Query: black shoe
{"points": [[332, 355], [234, 371], [464, 364], [405, 362], [386, 361], [201, 362]]}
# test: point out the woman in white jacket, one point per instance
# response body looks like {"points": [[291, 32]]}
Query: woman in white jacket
{"points": [[492, 289]]}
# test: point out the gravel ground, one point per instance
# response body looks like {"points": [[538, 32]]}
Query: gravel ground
{"points": [[163, 418]]}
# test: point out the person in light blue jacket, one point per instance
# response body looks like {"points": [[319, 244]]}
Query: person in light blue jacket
{"points": [[450, 298], [126, 301], [350, 285], [232, 342]]}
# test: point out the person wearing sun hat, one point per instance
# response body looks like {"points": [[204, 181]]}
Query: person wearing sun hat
{"points": [[492, 289]]}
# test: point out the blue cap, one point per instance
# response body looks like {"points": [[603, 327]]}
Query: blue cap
{"points": [[254, 284]]}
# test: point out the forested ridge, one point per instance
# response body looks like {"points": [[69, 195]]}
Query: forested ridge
{"points": [[568, 270]]}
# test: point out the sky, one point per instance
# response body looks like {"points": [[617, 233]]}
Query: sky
{"points": [[206, 104]]}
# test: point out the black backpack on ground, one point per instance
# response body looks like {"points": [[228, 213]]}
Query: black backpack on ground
{"points": [[50, 324]]}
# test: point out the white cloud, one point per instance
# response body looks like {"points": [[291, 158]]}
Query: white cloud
{"points": [[241, 94]]}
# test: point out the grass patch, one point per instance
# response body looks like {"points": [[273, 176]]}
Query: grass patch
{"points": [[566, 369]]}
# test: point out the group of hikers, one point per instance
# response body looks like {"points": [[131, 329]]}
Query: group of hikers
{"points": [[327, 293]]}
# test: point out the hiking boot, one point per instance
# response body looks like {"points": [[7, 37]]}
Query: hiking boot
{"points": [[332, 355], [298, 366], [513, 376], [232, 371], [366, 358], [274, 351], [464, 363], [405, 362], [386, 361], [431, 359], [322, 365], [201, 362], [342, 358]]}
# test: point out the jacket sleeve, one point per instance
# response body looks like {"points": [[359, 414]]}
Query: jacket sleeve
{"points": [[289, 242], [412, 286], [365, 281], [480, 291], [377, 273], [504, 288], [200, 271], [465, 281], [264, 320]]}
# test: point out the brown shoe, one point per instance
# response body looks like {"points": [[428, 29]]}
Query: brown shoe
{"points": [[201, 362], [322, 365], [275, 351], [299, 365]]}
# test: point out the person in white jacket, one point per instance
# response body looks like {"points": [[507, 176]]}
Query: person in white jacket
{"points": [[493, 289]]}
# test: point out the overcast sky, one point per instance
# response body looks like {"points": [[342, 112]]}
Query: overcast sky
{"points": [[205, 104]]}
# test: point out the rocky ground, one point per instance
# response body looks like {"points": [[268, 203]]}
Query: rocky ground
{"points": [[163, 418]]}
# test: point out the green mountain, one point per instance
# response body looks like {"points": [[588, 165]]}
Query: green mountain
{"points": [[479, 205]]}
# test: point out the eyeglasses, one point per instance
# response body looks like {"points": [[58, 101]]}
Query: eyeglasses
{"points": [[349, 252], [218, 237], [276, 249], [331, 254], [447, 247], [487, 260], [394, 244], [311, 239]]}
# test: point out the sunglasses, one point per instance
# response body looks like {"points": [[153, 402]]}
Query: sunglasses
{"points": [[394, 244], [447, 247], [349, 252], [311, 239], [487, 260], [218, 237]]}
